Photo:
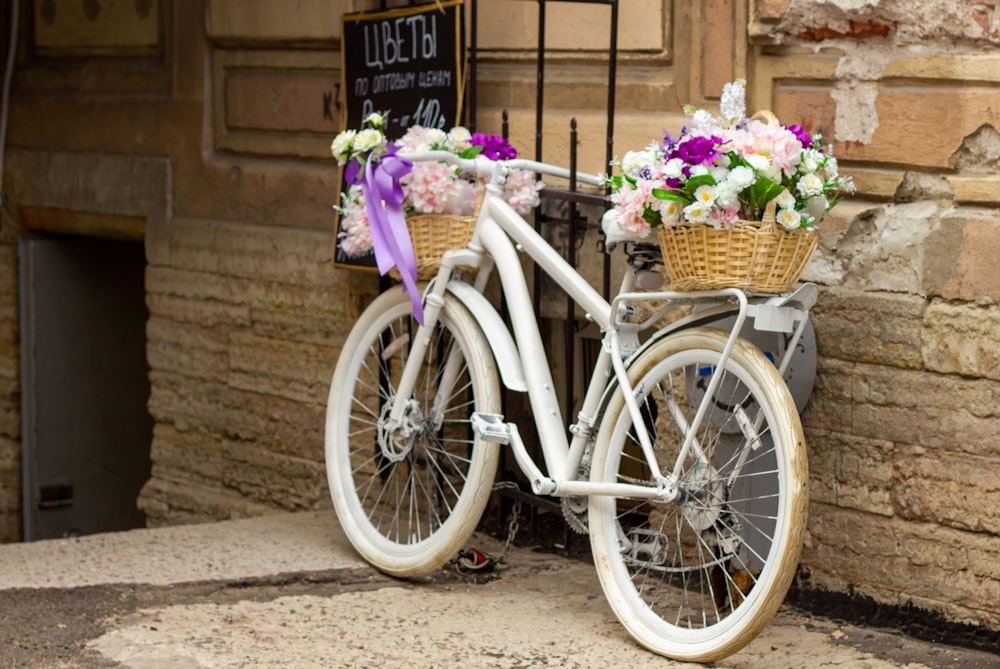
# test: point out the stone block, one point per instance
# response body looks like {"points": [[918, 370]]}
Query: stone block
{"points": [[885, 248], [962, 339], [10, 526], [908, 407], [77, 28], [882, 328], [926, 112], [902, 561], [261, 253], [287, 426], [188, 402], [168, 502], [192, 455], [947, 488], [850, 472], [266, 477], [10, 408], [187, 348], [283, 368], [963, 263], [269, 20]]}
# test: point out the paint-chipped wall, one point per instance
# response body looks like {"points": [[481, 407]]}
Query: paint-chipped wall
{"points": [[904, 425]]}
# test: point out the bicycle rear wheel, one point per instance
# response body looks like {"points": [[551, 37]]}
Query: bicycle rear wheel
{"points": [[698, 578], [408, 498]]}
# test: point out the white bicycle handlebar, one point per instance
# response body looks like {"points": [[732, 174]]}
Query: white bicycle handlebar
{"points": [[483, 167]]}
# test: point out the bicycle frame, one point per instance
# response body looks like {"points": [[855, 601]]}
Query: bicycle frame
{"points": [[498, 229]]}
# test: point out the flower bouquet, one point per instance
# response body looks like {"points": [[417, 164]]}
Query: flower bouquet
{"points": [[439, 201], [409, 214], [735, 201]]}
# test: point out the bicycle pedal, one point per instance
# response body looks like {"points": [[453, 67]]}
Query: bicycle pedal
{"points": [[491, 427], [473, 559]]}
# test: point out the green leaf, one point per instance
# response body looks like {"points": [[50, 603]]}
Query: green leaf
{"points": [[471, 152], [763, 191], [694, 183], [664, 194], [652, 217]]}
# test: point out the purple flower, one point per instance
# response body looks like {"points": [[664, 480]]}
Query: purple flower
{"points": [[801, 134], [697, 150], [495, 147]]}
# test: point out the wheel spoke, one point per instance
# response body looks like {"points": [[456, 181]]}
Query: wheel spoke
{"points": [[681, 569], [408, 495]]}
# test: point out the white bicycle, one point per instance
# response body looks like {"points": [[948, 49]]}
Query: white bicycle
{"points": [[686, 460]]}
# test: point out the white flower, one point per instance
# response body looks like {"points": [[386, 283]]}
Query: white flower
{"points": [[368, 139], [705, 195], [670, 211], [741, 177], [674, 169], [704, 121], [696, 212], [436, 137], [733, 104], [816, 207], [459, 138], [811, 160], [341, 145], [760, 163], [809, 185], [637, 161], [786, 200], [698, 170], [375, 120], [789, 219], [831, 168], [726, 196]]}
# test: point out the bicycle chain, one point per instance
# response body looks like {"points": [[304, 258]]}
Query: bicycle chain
{"points": [[472, 559]]}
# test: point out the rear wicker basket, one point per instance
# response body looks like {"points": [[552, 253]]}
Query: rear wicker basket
{"points": [[757, 256]]}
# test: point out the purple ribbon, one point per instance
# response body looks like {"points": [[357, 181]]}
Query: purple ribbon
{"points": [[384, 202]]}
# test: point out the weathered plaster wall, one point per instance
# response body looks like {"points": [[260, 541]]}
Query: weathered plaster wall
{"points": [[904, 425]]}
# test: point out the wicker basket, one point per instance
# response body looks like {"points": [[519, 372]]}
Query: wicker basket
{"points": [[758, 256], [432, 235]]}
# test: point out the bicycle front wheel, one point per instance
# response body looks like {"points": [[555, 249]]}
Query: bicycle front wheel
{"points": [[698, 578], [409, 496]]}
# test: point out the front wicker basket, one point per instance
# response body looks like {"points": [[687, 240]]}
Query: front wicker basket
{"points": [[432, 235], [757, 256]]}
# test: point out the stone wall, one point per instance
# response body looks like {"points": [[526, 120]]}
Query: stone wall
{"points": [[904, 426], [206, 124]]}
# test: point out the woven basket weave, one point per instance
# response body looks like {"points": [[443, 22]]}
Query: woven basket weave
{"points": [[432, 235], [757, 256]]}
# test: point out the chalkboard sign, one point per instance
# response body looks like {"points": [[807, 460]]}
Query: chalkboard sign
{"points": [[408, 62]]}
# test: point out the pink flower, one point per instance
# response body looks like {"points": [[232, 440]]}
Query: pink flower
{"points": [[521, 192], [631, 203]]}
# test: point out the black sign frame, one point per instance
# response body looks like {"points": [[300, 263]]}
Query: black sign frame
{"points": [[408, 62]]}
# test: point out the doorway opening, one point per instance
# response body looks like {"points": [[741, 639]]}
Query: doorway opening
{"points": [[85, 385]]}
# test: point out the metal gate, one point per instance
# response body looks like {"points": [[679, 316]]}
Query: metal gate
{"points": [[566, 214]]}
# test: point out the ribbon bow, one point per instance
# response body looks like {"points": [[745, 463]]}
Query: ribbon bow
{"points": [[384, 202]]}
